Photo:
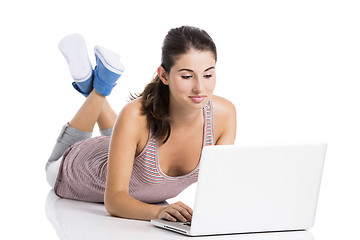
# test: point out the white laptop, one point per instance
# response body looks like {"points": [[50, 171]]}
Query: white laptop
{"points": [[254, 189]]}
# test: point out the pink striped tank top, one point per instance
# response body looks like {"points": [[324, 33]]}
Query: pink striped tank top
{"points": [[83, 170], [149, 184]]}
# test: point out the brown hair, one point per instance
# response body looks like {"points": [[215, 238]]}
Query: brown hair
{"points": [[155, 97]]}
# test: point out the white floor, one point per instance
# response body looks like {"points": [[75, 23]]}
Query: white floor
{"points": [[79, 220], [292, 69], [67, 219]]}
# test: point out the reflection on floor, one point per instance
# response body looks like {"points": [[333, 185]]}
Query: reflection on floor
{"points": [[81, 220]]}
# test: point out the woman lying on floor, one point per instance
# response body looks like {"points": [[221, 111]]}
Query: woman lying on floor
{"points": [[151, 151]]}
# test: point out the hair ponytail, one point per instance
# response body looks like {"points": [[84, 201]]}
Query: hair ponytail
{"points": [[155, 105]]}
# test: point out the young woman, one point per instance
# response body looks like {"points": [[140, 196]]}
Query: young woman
{"points": [[151, 151]]}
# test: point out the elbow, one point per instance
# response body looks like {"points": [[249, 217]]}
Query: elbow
{"points": [[110, 209], [110, 204], [113, 204]]}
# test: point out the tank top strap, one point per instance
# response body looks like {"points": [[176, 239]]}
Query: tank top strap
{"points": [[209, 129]]}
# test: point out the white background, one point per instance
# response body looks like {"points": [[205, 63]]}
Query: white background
{"points": [[290, 67]]}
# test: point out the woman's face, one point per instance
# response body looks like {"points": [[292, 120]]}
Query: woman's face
{"points": [[192, 79]]}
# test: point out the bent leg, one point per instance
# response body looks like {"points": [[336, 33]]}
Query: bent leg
{"points": [[96, 109], [67, 137], [89, 112], [106, 119], [78, 129]]}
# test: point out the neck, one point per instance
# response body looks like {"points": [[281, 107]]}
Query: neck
{"points": [[182, 117]]}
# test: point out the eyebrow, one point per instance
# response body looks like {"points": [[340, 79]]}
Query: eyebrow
{"points": [[189, 70]]}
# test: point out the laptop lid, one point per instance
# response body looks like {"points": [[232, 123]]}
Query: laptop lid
{"points": [[257, 188]]}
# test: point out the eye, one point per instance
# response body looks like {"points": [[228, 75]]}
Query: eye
{"points": [[207, 76], [186, 76]]}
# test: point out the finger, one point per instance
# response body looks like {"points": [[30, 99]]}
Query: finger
{"points": [[188, 209], [184, 212], [177, 214], [168, 216], [172, 214]]}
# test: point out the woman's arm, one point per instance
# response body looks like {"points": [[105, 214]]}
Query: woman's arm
{"points": [[129, 128], [224, 121], [124, 141]]}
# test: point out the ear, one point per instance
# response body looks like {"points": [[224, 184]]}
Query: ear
{"points": [[163, 75]]}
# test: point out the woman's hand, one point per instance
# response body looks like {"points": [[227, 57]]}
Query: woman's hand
{"points": [[176, 212]]}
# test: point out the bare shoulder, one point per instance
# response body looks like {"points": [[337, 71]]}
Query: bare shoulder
{"points": [[223, 107], [132, 124], [224, 120], [132, 111], [131, 119]]}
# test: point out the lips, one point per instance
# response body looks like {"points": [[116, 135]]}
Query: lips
{"points": [[197, 99]]}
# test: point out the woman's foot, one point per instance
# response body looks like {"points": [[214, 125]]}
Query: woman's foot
{"points": [[74, 49], [107, 71]]}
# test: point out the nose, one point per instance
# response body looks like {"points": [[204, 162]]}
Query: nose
{"points": [[198, 85]]}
